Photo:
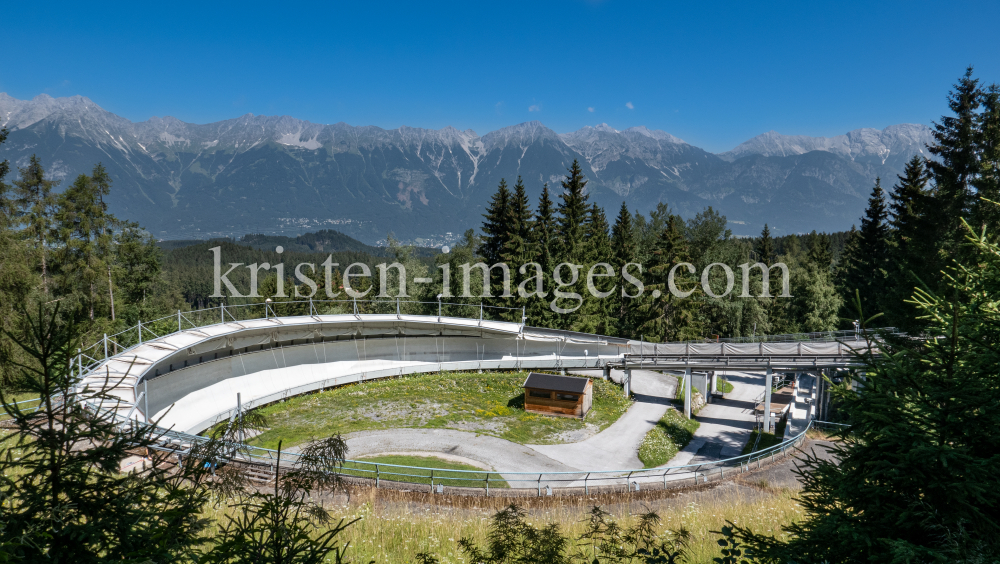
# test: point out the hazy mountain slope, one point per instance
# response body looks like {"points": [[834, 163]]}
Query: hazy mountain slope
{"points": [[280, 175]]}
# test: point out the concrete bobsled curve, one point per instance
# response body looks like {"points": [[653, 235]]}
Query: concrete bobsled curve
{"points": [[190, 378]]}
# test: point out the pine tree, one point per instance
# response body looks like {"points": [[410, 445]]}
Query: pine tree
{"points": [[7, 206], [774, 308], [913, 479], [986, 214], [573, 210], [517, 250], [570, 247], [764, 247], [819, 252], [597, 311], [83, 233], [866, 266], [496, 237], [35, 207], [912, 249], [957, 164], [623, 249], [541, 243], [496, 227], [65, 498], [666, 317]]}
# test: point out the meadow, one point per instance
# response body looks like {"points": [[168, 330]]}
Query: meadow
{"points": [[491, 404], [393, 527]]}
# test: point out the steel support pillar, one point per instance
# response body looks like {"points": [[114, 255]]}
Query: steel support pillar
{"points": [[627, 382], [713, 384], [687, 393], [768, 382]]}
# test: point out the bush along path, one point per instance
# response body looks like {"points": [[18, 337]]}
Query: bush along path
{"points": [[671, 434]]}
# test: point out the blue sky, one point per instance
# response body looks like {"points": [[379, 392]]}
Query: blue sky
{"points": [[711, 73]]}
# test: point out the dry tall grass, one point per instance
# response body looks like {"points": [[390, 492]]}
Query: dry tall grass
{"points": [[395, 526]]}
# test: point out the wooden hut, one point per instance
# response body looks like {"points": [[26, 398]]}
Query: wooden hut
{"points": [[564, 396]]}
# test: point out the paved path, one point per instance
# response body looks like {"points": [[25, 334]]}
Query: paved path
{"points": [[725, 423], [497, 454], [617, 447], [614, 448]]}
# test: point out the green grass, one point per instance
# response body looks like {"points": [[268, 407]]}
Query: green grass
{"points": [[489, 404], [766, 440], [671, 433], [723, 386], [423, 474]]}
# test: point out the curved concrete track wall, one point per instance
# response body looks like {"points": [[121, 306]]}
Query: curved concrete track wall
{"points": [[190, 378]]}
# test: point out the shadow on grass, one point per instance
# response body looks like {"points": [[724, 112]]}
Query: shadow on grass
{"points": [[516, 402]]}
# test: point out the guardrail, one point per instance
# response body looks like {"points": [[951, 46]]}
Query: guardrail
{"points": [[478, 482], [91, 356]]}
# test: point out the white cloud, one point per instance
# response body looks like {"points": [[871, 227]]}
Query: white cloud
{"points": [[534, 108], [590, 109], [629, 105]]}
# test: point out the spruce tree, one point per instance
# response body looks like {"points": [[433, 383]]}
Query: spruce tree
{"points": [[517, 250], [866, 265], [7, 207], [764, 247], [65, 495], [496, 226], [597, 311], [912, 250], [986, 214], [956, 166], [570, 234], [913, 479], [83, 229], [665, 316], [573, 211], [623, 249], [819, 252], [496, 237], [34, 207], [540, 245]]}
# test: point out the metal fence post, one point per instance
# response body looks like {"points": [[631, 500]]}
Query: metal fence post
{"points": [[222, 313], [105, 345], [178, 320], [377, 475], [140, 331], [539, 485]]}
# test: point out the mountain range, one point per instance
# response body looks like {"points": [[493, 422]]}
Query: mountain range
{"points": [[281, 175]]}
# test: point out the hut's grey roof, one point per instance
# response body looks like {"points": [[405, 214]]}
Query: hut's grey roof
{"points": [[556, 383]]}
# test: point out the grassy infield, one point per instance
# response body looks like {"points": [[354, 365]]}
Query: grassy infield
{"points": [[492, 404]]}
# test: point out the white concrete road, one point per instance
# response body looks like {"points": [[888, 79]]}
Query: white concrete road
{"points": [[725, 423], [617, 447]]}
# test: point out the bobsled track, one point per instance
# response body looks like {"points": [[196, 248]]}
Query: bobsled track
{"points": [[193, 370]]}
